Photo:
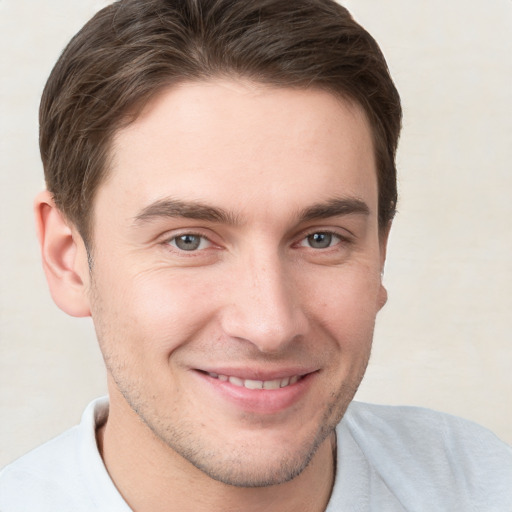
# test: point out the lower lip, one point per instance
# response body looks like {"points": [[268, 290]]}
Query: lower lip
{"points": [[260, 401]]}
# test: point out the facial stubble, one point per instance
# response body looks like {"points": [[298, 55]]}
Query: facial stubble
{"points": [[184, 437]]}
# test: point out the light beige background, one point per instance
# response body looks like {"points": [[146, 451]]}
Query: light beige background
{"points": [[443, 340]]}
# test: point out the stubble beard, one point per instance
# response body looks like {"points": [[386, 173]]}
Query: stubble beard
{"points": [[235, 468], [183, 438], [237, 472]]}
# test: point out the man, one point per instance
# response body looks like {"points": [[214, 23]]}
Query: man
{"points": [[220, 188]]}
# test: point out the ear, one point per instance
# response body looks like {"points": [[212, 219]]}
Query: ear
{"points": [[383, 244], [64, 257]]}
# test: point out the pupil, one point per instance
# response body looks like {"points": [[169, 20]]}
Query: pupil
{"points": [[320, 240], [188, 242]]}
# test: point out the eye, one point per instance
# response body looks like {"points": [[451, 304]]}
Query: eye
{"points": [[189, 242], [320, 240]]}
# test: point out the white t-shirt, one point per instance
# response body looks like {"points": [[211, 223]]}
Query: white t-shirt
{"points": [[389, 459]]}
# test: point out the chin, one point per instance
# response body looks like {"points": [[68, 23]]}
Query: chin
{"points": [[254, 458], [254, 466]]}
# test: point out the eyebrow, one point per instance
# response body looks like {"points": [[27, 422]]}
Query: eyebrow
{"points": [[196, 210], [186, 209], [335, 207]]}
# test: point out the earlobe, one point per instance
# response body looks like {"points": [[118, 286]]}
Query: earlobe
{"points": [[383, 242], [64, 257], [383, 297]]}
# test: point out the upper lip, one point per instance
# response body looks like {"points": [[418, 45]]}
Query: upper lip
{"points": [[258, 373]]}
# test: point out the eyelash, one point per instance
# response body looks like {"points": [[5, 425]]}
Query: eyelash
{"points": [[204, 239], [345, 237], [340, 238]]}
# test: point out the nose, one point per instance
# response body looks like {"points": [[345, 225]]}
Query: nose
{"points": [[263, 305]]}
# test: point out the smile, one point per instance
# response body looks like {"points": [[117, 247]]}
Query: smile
{"points": [[257, 384], [256, 390]]}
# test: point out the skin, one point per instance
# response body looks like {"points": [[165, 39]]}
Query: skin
{"points": [[278, 188]]}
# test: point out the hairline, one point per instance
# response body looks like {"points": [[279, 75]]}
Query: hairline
{"points": [[133, 112]]}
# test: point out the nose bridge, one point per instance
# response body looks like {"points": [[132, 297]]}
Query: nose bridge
{"points": [[264, 308]]}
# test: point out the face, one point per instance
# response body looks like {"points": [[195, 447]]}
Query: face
{"points": [[236, 273]]}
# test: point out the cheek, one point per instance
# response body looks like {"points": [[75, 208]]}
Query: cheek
{"points": [[151, 313], [345, 301]]}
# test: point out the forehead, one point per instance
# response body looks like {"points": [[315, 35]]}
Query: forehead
{"points": [[234, 142]]}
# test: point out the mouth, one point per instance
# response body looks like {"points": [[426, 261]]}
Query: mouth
{"points": [[257, 384], [257, 391]]}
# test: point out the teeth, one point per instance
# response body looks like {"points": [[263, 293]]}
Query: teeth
{"points": [[272, 384], [253, 384], [256, 384], [236, 381]]}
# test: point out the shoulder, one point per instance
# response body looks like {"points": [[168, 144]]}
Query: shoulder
{"points": [[46, 474], [416, 421], [424, 452], [418, 428], [66, 473]]}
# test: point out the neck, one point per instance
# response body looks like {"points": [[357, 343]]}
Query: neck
{"points": [[152, 477]]}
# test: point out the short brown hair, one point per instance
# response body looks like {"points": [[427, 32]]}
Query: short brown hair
{"points": [[133, 48]]}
